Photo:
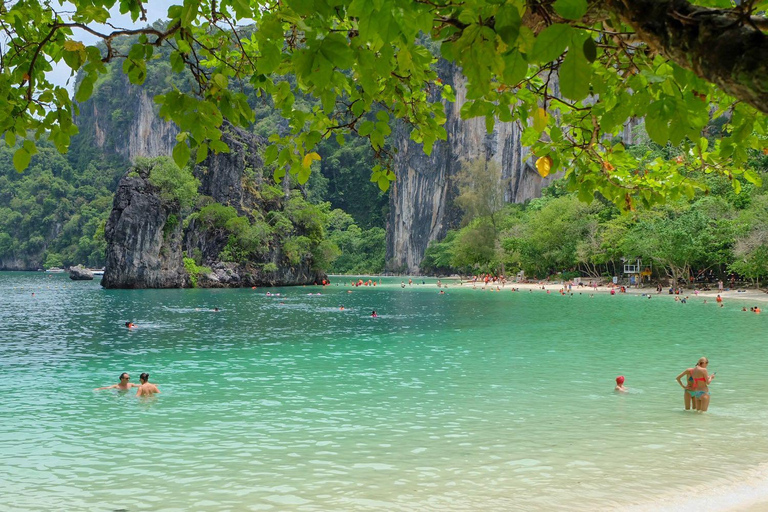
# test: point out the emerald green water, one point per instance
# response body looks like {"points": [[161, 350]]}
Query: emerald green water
{"points": [[473, 400]]}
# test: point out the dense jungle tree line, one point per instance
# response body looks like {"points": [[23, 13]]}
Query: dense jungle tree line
{"points": [[722, 230], [54, 213]]}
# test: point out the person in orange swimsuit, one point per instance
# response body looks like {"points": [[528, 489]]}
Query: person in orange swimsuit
{"points": [[700, 387], [688, 392]]}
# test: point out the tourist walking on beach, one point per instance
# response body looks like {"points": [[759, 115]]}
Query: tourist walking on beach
{"points": [[123, 385], [146, 389], [701, 380], [688, 392]]}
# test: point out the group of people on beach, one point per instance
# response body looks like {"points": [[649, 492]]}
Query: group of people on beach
{"points": [[145, 387]]}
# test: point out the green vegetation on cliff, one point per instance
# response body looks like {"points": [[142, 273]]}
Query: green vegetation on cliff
{"points": [[722, 230]]}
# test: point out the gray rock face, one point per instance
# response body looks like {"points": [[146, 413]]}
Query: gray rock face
{"points": [[421, 200], [141, 253], [233, 179], [80, 273], [145, 250], [221, 175], [132, 128]]}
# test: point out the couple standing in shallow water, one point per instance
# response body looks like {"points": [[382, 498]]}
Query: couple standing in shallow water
{"points": [[145, 388], [696, 390]]}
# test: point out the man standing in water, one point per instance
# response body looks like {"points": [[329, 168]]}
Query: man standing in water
{"points": [[146, 389], [124, 385]]}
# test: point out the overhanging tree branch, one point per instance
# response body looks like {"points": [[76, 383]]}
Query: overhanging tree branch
{"points": [[718, 45]]}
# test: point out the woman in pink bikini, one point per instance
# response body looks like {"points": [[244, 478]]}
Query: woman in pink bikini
{"points": [[700, 388], [688, 391]]}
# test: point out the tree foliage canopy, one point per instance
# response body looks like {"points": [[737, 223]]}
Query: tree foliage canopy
{"points": [[573, 72]]}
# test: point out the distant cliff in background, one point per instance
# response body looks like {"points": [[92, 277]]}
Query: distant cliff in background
{"points": [[121, 118], [421, 200]]}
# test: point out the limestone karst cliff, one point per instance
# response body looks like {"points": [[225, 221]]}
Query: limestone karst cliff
{"points": [[151, 241], [122, 118], [143, 248], [421, 200]]}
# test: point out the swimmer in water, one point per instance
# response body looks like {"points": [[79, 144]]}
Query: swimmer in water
{"points": [[123, 385], [130, 325], [341, 308], [373, 314], [145, 388], [620, 385]]}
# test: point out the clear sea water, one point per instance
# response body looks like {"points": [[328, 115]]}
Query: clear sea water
{"points": [[472, 400]]}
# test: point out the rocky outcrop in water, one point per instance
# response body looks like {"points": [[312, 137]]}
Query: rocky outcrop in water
{"points": [[147, 244], [143, 248], [80, 273]]}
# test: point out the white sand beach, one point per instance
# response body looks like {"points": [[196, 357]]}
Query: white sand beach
{"points": [[742, 294]]}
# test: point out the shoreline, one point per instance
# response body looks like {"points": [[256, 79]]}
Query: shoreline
{"points": [[748, 493], [727, 295]]}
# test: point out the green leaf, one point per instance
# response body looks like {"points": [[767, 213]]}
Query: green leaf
{"points": [[181, 154], [590, 50], [269, 59], [575, 75], [551, 42], [177, 62], [218, 146], [753, 178], [202, 153], [21, 159], [242, 8], [365, 129], [336, 49], [189, 12], [508, 23], [657, 122], [85, 89], [383, 183], [515, 67], [303, 175], [571, 9]]}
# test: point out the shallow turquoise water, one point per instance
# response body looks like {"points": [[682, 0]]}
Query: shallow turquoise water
{"points": [[473, 400]]}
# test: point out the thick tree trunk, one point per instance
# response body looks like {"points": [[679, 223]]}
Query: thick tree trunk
{"points": [[716, 44], [713, 43]]}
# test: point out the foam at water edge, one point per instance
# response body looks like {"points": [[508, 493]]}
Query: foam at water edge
{"points": [[747, 490]]}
